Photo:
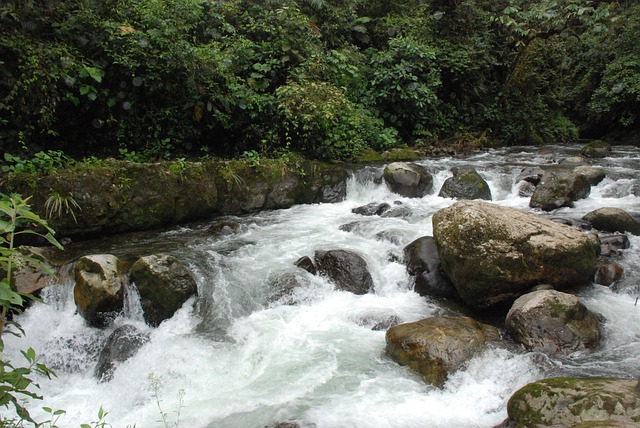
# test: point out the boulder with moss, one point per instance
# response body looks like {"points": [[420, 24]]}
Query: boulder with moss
{"points": [[596, 149], [553, 322], [610, 219], [408, 179], [465, 183], [559, 189], [494, 254], [574, 402]]}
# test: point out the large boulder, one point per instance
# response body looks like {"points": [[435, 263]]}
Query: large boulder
{"points": [[610, 219], [466, 183], [164, 284], [494, 254], [571, 402], [346, 269], [553, 322], [408, 179], [560, 189], [423, 264], [435, 347], [122, 344], [99, 289]]}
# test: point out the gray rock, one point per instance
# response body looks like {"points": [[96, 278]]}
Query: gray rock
{"points": [[466, 183], [346, 269], [408, 179], [553, 322], [494, 254], [435, 347], [613, 220], [121, 345], [611, 245], [571, 402], [560, 189], [99, 289], [307, 264], [371, 209], [164, 284]]}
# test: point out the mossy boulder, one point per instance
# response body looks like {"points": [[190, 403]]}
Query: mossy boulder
{"points": [[559, 189], [594, 174], [465, 183], [596, 149], [408, 179], [494, 254], [553, 322], [435, 347], [609, 219], [99, 289], [574, 402], [164, 284]]}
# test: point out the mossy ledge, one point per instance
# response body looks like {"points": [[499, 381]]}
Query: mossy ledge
{"points": [[119, 196]]}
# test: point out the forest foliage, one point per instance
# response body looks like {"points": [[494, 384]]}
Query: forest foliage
{"points": [[324, 78]]}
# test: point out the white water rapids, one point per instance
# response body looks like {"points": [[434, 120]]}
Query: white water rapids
{"points": [[234, 359]]}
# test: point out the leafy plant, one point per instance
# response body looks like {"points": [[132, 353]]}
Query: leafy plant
{"points": [[56, 204], [16, 218], [156, 384], [42, 162]]}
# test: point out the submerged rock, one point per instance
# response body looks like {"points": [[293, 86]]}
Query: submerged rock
{"points": [[596, 149], [346, 269], [466, 183], [408, 179], [613, 220], [494, 254], [571, 402], [560, 189], [121, 345], [99, 289], [372, 209], [435, 347], [164, 284], [553, 322]]}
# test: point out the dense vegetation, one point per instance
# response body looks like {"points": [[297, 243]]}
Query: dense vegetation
{"points": [[158, 79]]}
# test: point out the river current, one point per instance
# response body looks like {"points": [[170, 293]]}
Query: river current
{"points": [[236, 358]]}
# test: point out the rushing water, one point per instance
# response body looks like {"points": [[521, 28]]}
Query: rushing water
{"points": [[233, 358]]}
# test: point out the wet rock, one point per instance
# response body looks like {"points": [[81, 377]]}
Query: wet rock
{"points": [[225, 227], [525, 189], [397, 211], [99, 289], [494, 254], [346, 269], [408, 179], [572, 402], [594, 174], [553, 322], [611, 245], [121, 345], [435, 347], [560, 189], [608, 273], [423, 264], [307, 264], [613, 220], [371, 209], [466, 183], [164, 284], [285, 286], [395, 237], [530, 174], [596, 149]]}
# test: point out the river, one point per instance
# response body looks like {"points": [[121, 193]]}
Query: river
{"points": [[234, 358]]}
